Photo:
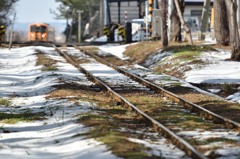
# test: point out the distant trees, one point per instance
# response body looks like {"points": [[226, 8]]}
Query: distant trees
{"points": [[6, 7], [68, 9]]}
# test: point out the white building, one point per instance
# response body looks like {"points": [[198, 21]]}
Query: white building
{"points": [[193, 13]]}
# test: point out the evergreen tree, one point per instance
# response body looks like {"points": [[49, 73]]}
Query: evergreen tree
{"points": [[6, 7]]}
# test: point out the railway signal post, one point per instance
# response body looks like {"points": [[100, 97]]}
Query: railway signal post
{"points": [[79, 25], [2, 32], [11, 36]]}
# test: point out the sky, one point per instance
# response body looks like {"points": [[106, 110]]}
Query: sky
{"points": [[29, 11]]}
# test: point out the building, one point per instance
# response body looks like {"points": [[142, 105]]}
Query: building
{"points": [[121, 10], [193, 13]]}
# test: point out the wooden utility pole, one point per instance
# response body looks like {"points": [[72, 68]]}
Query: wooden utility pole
{"points": [[204, 19], [170, 8], [101, 17], [79, 25], [238, 13], [11, 35]]}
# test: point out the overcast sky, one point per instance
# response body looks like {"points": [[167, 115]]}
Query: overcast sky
{"points": [[29, 11]]}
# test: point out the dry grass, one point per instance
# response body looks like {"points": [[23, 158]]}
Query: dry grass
{"points": [[226, 109], [183, 57], [114, 60], [5, 102], [105, 129], [166, 112], [91, 49], [182, 47], [140, 51], [20, 117], [105, 122], [46, 62]]}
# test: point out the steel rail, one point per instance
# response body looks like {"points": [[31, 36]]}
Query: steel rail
{"points": [[189, 105], [176, 140]]}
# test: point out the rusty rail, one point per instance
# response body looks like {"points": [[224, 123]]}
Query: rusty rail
{"points": [[178, 141], [189, 105]]}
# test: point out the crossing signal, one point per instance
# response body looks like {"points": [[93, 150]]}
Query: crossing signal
{"points": [[2, 30]]}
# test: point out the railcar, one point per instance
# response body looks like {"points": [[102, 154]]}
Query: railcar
{"points": [[41, 32]]}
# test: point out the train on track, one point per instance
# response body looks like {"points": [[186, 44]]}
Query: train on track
{"points": [[41, 32]]}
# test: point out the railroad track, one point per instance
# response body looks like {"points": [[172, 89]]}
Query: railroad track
{"points": [[126, 87], [193, 107]]}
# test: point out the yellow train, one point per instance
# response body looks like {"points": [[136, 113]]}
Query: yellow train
{"points": [[41, 32]]}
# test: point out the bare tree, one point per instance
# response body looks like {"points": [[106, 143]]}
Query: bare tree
{"points": [[175, 30], [164, 14], [186, 28], [204, 19], [221, 27], [20, 36], [233, 27]]}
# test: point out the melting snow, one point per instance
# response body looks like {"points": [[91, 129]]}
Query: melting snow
{"points": [[57, 136]]}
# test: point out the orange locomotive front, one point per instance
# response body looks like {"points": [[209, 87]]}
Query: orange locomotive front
{"points": [[39, 32]]}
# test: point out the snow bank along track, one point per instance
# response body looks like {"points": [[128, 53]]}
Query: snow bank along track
{"points": [[178, 141]]}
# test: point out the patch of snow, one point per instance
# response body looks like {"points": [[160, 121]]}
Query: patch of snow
{"points": [[228, 153], [214, 90], [57, 135], [218, 71], [234, 97], [161, 148], [224, 150], [116, 50], [154, 59], [100, 39]]}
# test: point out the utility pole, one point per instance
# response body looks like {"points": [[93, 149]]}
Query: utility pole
{"points": [[154, 4], [101, 17], [79, 25], [105, 6], [11, 35], [204, 19], [170, 8], [238, 13]]}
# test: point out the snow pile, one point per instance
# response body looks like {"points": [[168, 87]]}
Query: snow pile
{"points": [[219, 71], [116, 50]]}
